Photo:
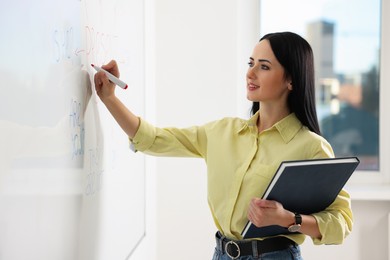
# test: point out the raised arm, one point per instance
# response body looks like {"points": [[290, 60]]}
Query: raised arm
{"points": [[105, 89]]}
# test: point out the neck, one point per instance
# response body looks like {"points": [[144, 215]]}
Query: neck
{"points": [[269, 116]]}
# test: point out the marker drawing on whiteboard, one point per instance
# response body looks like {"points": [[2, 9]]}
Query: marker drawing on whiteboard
{"points": [[111, 77]]}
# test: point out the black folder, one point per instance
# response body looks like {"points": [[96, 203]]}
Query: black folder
{"points": [[305, 187]]}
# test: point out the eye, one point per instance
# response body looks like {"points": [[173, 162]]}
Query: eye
{"points": [[250, 63], [264, 67]]}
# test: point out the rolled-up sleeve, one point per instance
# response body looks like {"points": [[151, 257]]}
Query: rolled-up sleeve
{"points": [[145, 136], [335, 223]]}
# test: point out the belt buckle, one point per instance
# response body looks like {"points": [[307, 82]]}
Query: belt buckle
{"points": [[227, 251]]}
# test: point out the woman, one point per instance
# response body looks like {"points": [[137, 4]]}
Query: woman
{"points": [[242, 155]]}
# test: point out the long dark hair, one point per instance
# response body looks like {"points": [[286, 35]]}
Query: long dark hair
{"points": [[296, 56]]}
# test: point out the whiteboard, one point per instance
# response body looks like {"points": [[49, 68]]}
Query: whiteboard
{"points": [[57, 140]]}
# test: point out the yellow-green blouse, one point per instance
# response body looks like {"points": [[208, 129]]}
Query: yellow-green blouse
{"points": [[240, 165]]}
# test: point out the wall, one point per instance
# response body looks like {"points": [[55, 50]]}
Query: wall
{"points": [[198, 77], [369, 239], [195, 83]]}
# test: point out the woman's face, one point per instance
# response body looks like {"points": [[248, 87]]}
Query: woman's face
{"points": [[266, 81]]}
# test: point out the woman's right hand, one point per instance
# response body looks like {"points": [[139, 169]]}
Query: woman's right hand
{"points": [[103, 86], [105, 89]]}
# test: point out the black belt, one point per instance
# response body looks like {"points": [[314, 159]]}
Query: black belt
{"points": [[237, 248]]}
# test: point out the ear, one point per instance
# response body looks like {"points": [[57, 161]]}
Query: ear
{"points": [[288, 81], [290, 86]]}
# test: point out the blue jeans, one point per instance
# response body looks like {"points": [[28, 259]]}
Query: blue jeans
{"points": [[291, 253]]}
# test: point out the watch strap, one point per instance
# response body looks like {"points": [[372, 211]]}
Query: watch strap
{"points": [[298, 219]]}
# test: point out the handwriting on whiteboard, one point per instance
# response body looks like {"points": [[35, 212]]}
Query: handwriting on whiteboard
{"points": [[94, 172], [98, 46], [77, 129], [63, 44]]}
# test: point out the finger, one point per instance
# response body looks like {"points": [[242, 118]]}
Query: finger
{"points": [[255, 201], [254, 208], [251, 216], [112, 67], [102, 80], [98, 82], [255, 217], [266, 203]]}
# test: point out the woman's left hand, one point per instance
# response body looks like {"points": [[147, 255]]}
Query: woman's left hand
{"points": [[269, 212]]}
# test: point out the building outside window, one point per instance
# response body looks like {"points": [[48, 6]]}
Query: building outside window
{"points": [[345, 37]]}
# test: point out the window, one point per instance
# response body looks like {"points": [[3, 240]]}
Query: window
{"points": [[346, 39]]}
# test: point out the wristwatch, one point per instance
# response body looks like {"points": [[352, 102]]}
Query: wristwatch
{"points": [[297, 225]]}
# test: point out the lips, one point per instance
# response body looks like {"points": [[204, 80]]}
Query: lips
{"points": [[252, 86]]}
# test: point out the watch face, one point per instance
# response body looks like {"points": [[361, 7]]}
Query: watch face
{"points": [[294, 228]]}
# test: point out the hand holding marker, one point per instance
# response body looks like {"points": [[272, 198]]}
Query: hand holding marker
{"points": [[111, 77]]}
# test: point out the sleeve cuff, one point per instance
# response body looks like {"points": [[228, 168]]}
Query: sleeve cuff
{"points": [[144, 138]]}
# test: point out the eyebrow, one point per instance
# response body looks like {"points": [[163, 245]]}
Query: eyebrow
{"points": [[260, 60]]}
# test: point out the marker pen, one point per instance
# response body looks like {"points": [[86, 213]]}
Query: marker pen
{"points": [[111, 77]]}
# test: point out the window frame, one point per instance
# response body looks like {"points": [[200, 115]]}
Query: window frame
{"points": [[381, 177], [376, 183]]}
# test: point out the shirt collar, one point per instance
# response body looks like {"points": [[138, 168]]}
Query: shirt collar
{"points": [[288, 127], [251, 123]]}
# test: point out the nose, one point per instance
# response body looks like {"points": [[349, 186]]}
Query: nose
{"points": [[250, 74]]}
